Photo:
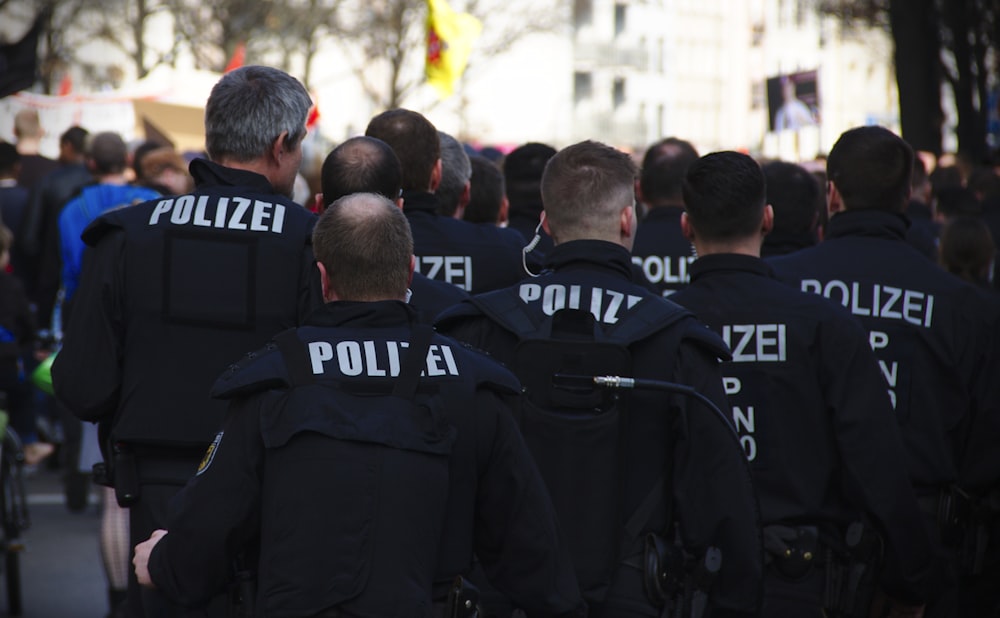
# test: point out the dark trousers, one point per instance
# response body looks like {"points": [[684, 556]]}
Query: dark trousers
{"points": [[148, 514]]}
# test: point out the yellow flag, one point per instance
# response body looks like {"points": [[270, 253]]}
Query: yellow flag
{"points": [[450, 36]]}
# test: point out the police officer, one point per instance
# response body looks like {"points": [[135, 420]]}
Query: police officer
{"points": [[522, 174], [475, 258], [361, 451], [654, 473], [808, 402], [175, 288], [661, 252], [933, 334], [368, 165], [793, 193]]}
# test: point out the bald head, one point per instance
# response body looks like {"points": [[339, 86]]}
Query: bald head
{"points": [[361, 165], [364, 243], [27, 125]]}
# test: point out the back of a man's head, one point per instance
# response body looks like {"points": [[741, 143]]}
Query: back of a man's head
{"points": [[363, 241], [108, 153], [251, 107], [361, 165], [73, 142], [663, 169], [522, 175], [584, 189], [793, 192], [871, 168], [27, 124], [414, 140], [486, 194], [724, 196], [455, 174], [10, 159]]}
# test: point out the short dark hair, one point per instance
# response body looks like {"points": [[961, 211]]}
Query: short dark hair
{"points": [[725, 195], [522, 175], [584, 188], [966, 247], [361, 165], [487, 192], [139, 153], [663, 169], [414, 140], [76, 137], [363, 241], [871, 169], [793, 192], [9, 157], [108, 152]]}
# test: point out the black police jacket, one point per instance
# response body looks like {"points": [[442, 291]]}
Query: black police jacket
{"points": [[476, 258], [660, 250], [720, 512], [431, 297], [354, 496], [809, 403], [172, 290], [934, 336]]}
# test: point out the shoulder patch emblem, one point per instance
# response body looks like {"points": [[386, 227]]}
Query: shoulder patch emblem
{"points": [[206, 461]]}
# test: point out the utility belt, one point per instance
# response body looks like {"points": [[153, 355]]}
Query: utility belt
{"points": [[126, 467], [965, 523], [850, 566], [676, 581]]}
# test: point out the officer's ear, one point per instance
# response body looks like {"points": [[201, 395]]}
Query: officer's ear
{"points": [[686, 227], [413, 267], [318, 205], [628, 222], [767, 220], [834, 201], [435, 177], [504, 215], [328, 294]]}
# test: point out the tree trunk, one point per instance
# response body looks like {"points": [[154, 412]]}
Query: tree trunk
{"points": [[918, 72], [960, 17]]}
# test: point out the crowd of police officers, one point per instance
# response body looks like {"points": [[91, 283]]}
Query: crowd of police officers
{"points": [[805, 435]]}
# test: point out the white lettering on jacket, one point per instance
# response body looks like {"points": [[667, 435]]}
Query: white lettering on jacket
{"points": [[877, 301], [376, 358], [605, 305], [756, 343], [231, 213]]}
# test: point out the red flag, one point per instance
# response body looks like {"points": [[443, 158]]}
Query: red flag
{"points": [[313, 118], [65, 84], [239, 55]]}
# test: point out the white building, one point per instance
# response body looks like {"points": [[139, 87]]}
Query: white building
{"points": [[628, 72]]}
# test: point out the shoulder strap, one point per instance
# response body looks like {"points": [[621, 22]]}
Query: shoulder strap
{"points": [[506, 309], [413, 362], [296, 357], [650, 316]]}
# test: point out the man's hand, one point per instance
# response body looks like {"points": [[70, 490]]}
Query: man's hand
{"points": [[141, 559]]}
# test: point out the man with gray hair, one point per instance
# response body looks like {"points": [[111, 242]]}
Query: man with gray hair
{"points": [[175, 289], [456, 172]]}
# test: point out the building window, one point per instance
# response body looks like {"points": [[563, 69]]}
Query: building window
{"points": [[619, 18], [583, 12], [618, 92], [582, 86]]}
